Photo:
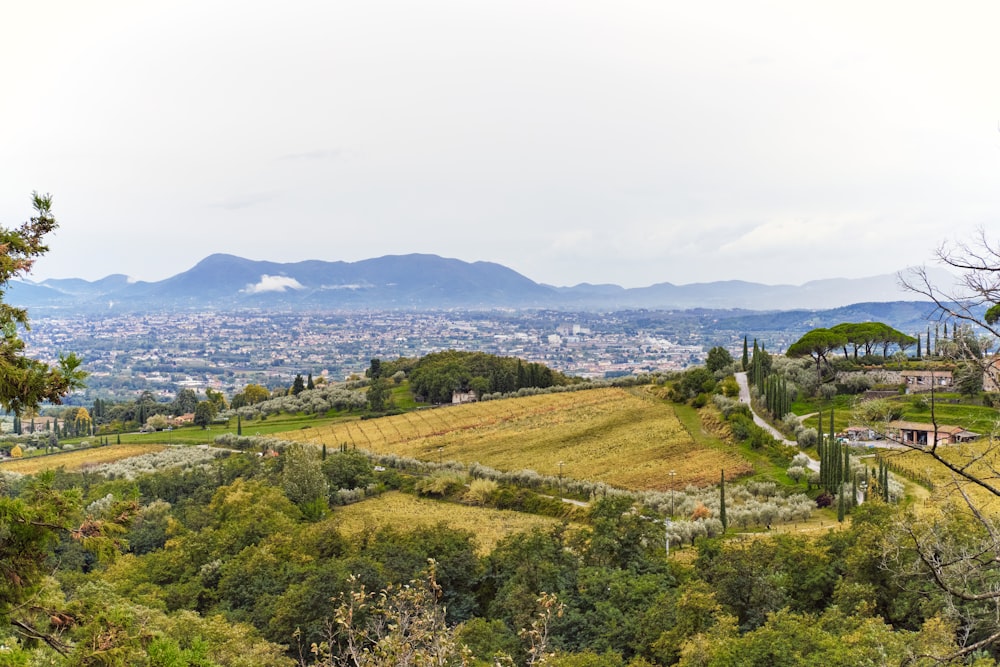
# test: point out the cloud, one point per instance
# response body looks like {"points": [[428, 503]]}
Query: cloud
{"points": [[273, 284], [322, 154], [244, 201]]}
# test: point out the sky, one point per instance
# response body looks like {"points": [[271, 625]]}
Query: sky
{"points": [[630, 142]]}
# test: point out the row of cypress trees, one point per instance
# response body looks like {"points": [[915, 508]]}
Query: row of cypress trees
{"points": [[771, 387]]}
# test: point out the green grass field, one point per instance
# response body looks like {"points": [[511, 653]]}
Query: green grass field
{"points": [[195, 435], [948, 409]]}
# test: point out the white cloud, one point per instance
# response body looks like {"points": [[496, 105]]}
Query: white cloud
{"points": [[273, 284]]}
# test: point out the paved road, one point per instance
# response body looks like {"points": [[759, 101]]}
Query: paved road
{"points": [[741, 380]]}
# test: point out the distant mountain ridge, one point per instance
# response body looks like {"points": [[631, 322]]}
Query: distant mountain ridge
{"points": [[423, 281]]}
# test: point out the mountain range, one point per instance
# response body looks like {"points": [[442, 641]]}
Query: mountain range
{"points": [[423, 282]]}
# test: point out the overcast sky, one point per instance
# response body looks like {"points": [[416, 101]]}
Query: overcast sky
{"points": [[631, 142]]}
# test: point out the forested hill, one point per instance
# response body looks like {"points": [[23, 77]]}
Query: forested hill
{"points": [[420, 281]]}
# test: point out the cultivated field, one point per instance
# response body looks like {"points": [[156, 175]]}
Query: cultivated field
{"points": [[78, 459], [405, 513], [946, 484], [622, 438]]}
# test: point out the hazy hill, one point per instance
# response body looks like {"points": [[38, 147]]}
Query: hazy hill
{"points": [[421, 281]]}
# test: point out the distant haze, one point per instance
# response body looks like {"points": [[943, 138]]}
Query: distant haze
{"points": [[425, 282], [634, 142]]}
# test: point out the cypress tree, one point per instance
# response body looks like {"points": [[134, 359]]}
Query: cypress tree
{"points": [[840, 505], [786, 398], [239, 425], [824, 464], [918, 346], [323, 456], [746, 355], [722, 501], [847, 464]]}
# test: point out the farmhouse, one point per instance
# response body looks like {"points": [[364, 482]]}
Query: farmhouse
{"points": [[926, 380], [921, 435], [463, 397], [991, 374]]}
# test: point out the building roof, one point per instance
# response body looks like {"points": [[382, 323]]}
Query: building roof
{"points": [[929, 428]]}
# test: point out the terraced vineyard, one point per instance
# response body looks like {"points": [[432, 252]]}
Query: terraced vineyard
{"points": [[946, 484], [622, 438], [78, 459]]}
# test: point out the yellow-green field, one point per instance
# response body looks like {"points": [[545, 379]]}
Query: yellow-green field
{"points": [[405, 512], [78, 459], [625, 439], [919, 466]]}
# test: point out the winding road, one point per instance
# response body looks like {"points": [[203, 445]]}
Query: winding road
{"points": [[741, 380]]}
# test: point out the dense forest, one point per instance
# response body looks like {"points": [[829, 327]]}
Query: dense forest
{"points": [[435, 377], [225, 563]]}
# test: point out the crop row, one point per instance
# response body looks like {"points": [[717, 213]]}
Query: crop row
{"points": [[604, 435]]}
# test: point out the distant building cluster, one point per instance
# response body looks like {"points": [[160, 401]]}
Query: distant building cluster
{"points": [[166, 352]]}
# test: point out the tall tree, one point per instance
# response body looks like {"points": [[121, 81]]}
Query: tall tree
{"points": [[204, 413], [817, 344], [718, 358], [722, 501], [378, 395], [25, 383]]}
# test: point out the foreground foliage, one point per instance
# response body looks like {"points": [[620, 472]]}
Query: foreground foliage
{"points": [[216, 565]]}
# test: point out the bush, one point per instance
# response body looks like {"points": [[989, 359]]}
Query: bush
{"points": [[729, 387], [440, 484], [797, 473], [480, 491], [856, 384], [807, 437], [827, 392]]}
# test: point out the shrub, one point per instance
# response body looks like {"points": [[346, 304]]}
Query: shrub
{"points": [[857, 383], [827, 392], [480, 491], [440, 484], [796, 473]]}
